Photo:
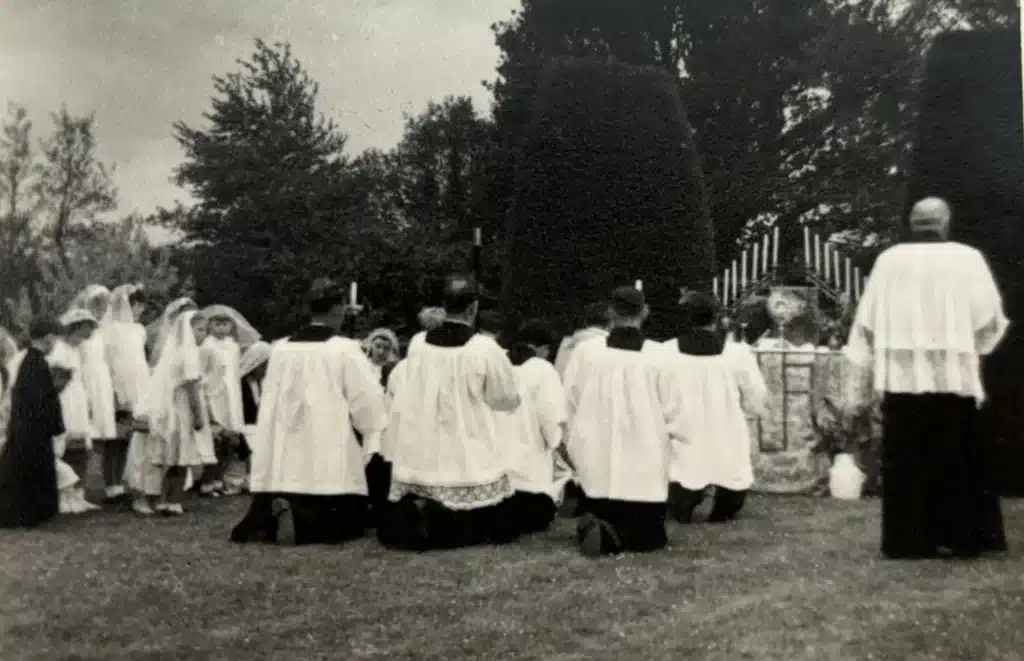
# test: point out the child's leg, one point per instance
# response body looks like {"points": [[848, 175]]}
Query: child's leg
{"points": [[173, 490], [727, 505], [78, 458]]}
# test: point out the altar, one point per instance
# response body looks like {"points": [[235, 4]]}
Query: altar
{"points": [[784, 440]]}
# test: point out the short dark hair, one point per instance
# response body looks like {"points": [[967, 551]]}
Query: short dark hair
{"points": [[628, 302], [596, 314], [40, 327], [536, 333], [489, 321], [460, 292], [700, 309], [138, 296]]}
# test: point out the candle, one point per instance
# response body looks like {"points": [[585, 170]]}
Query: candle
{"points": [[353, 293], [725, 288], [735, 281], [836, 272], [828, 262], [639, 285], [478, 237], [753, 265], [807, 247], [743, 270], [764, 254], [817, 255], [856, 282], [775, 248], [714, 286], [849, 280]]}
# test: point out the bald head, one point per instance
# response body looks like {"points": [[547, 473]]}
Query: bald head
{"points": [[932, 214]]}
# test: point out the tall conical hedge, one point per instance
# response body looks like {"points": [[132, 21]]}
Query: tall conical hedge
{"points": [[609, 191], [970, 151]]}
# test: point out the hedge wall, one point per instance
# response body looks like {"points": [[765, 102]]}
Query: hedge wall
{"points": [[970, 151], [609, 191]]}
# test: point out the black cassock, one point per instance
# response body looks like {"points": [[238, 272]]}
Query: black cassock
{"points": [[935, 488], [28, 474]]}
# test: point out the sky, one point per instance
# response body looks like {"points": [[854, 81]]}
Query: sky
{"points": [[141, 65]]}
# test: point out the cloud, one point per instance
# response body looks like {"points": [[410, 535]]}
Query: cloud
{"points": [[141, 65]]}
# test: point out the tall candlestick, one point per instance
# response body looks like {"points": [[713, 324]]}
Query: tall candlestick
{"points": [[353, 293], [807, 247], [743, 270], [849, 279], [639, 284], [775, 248], [725, 288], [817, 255], [837, 275], [754, 264], [735, 281], [764, 254]]}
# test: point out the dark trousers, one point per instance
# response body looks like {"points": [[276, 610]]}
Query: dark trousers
{"points": [[312, 519], [422, 524], [378, 484], [682, 502], [934, 489], [531, 512], [622, 525]]}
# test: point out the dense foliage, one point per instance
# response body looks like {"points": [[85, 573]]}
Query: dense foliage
{"points": [[609, 191]]}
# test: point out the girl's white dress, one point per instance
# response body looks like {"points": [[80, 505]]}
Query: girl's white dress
{"points": [[99, 386], [225, 384]]}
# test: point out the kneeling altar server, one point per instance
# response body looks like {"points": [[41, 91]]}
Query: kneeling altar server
{"points": [[307, 461]]}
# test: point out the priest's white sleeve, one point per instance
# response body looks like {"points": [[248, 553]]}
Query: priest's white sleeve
{"points": [[549, 402], [990, 322], [501, 388], [364, 395], [753, 389]]}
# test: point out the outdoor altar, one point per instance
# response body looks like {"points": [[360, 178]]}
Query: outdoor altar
{"points": [[796, 332]]}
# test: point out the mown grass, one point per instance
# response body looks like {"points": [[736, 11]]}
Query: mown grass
{"points": [[796, 579]]}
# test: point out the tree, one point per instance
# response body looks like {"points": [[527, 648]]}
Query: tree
{"points": [[72, 185], [609, 191], [277, 200]]}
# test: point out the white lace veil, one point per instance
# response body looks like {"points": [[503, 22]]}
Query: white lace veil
{"points": [[245, 334]]}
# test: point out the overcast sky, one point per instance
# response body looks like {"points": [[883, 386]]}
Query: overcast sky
{"points": [[140, 65]]}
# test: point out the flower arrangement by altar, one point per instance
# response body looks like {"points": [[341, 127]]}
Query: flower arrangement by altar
{"points": [[840, 433]]}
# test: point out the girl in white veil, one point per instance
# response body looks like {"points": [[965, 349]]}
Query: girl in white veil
{"points": [[99, 384], [230, 335], [141, 476], [179, 424], [126, 353]]}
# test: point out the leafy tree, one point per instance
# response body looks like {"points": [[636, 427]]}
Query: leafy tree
{"points": [[277, 200], [609, 191], [72, 185]]}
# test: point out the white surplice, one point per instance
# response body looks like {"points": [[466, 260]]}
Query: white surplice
{"points": [[715, 395], [443, 435], [622, 411], [537, 429], [315, 396], [928, 313]]}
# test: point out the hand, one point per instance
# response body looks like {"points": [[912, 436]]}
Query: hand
{"points": [[141, 424]]}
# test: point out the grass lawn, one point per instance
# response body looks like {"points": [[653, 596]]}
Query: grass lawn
{"points": [[797, 579]]}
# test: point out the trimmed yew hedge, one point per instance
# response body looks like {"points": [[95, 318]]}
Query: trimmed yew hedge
{"points": [[609, 191]]}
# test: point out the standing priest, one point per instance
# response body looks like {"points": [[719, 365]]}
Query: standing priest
{"points": [[307, 459], [450, 485], [930, 312]]}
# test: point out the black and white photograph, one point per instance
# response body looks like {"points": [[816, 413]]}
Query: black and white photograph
{"points": [[533, 330]]}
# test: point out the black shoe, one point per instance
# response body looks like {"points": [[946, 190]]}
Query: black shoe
{"points": [[596, 537], [284, 520]]}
